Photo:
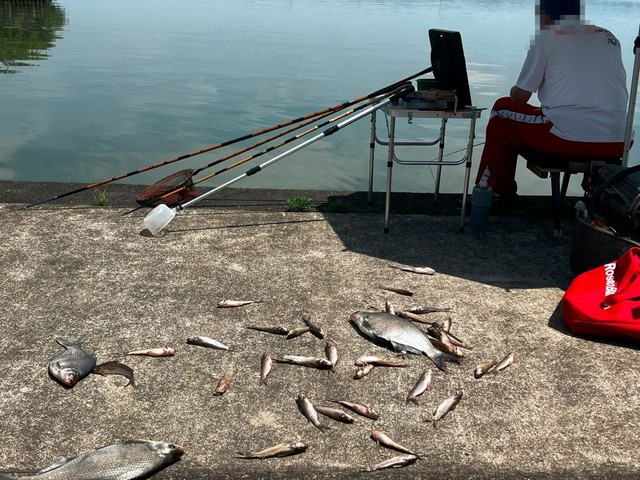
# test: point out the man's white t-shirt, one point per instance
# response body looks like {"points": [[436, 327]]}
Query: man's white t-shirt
{"points": [[578, 73]]}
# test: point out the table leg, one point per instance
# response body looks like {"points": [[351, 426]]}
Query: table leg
{"points": [[467, 172], [443, 128], [372, 147], [391, 156]]}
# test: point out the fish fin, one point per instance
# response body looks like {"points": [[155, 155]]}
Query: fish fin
{"points": [[440, 358]]}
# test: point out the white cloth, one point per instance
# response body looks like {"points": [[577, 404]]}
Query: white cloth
{"points": [[578, 73]]}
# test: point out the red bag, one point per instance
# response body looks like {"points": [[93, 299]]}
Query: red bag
{"points": [[605, 301]]}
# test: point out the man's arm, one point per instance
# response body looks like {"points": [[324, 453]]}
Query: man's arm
{"points": [[518, 95]]}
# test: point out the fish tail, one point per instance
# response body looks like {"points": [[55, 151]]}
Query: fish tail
{"points": [[66, 343], [440, 359], [412, 400]]}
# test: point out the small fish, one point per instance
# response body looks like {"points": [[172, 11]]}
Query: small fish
{"points": [[73, 364], [363, 371], [126, 460], [330, 351], [422, 309], [308, 410], [296, 332], [235, 303], [400, 291], [446, 406], [377, 361], [265, 367], [485, 367], [115, 368], [208, 343], [504, 363], [413, 316], [313, 362], [395, 462], [383, 439], [335, 414], [389, 308], [280, 450], [314, 328], [408, 268], [278, 330], [223, 384], [154, 352], [364, 410], [421, 386]]}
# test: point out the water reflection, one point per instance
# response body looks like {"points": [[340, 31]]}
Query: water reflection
{"points": [[28, 28]]}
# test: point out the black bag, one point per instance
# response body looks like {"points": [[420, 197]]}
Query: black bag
{"points": [[614, 197]]}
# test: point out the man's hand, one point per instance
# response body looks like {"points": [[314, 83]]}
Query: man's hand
{"points": [[518, 95]]}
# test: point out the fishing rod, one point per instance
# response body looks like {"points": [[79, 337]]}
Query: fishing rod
{"points": [[160, 216], [182, 187], [334, 108]]}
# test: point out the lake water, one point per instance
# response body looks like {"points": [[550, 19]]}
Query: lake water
{"points": [[93, 89]]}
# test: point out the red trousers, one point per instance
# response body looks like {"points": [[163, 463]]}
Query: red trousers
{"points": [[513, 127]]}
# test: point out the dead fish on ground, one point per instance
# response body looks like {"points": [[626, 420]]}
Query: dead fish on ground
{"points": [[504, 363], [409, 268], [330, 351], [314, 328], [73, 364], [423, 309], [296, 332], [208, 343], [278, 330], [400, 291], [377, 361], [364, 410], [446, 406], [485, 367], [308, 410], [334, 413], [235, 303], [313, 362], [223, 384], [413, 316], [265, 367], [363, 371], [154, 352], [115, 368], [400, 334], [383, 439], [395, 462], [122, 461], [421, 386], [280, 450]]}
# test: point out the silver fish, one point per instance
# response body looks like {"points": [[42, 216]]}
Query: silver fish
{"points": [[364, 410], [446, 406], [154, 352], [313, 362], [235, 303], [208, 343], [308, 410], [314, 328], [73, 364], [120, 461], [485, 367], [330, 351], [422, 309], [363, 371], [400, 334], [115, 368], [223, 384], [296, 332], [334, 413], [400, 291], [277, 330], [395, 462], [280, 450], [377, 361], [421, 386], [408, 268], [265, 367], [504, 363], [383, 439]]}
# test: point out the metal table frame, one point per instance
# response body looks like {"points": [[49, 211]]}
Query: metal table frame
{"points": [[396, 111]]}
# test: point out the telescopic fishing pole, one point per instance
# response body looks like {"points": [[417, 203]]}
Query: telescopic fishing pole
{"points": [[182, 187], [160, 216], [334, 108]]}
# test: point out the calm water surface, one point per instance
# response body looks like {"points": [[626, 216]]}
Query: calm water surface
{"points": [[92, 89]]}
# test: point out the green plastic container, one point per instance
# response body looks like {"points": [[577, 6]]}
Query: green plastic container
{"points": [[427, 84]]}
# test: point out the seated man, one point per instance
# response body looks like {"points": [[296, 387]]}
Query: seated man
{"points": [[577, 71]]}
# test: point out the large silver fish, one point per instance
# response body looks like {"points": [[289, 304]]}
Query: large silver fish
{"points": [[400, 334], [120, 461], [73, 364]]}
